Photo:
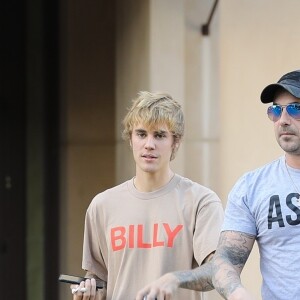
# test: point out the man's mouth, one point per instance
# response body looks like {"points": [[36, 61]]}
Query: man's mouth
{"points": [[149, 156], [285, 132]]}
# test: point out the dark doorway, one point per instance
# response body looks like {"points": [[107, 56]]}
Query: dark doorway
{"points": [[12, 197], [12, 151], [29, 111]]}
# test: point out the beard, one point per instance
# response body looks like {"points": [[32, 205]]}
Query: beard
{"points": [[289, 144]]}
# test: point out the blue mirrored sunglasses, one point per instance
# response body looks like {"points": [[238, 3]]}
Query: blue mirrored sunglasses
{"points": [[274, 111]]}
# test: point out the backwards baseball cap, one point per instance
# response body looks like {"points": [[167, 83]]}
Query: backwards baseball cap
{"points": [[289, 82]]}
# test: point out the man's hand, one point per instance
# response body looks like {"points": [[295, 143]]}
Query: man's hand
{"points": [[160, 289], [85, 291]]}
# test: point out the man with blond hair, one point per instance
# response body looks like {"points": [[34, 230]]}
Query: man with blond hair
{"points": [[157, 221]]}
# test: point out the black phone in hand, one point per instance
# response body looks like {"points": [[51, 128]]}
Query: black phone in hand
{"points": [[77, 279]]}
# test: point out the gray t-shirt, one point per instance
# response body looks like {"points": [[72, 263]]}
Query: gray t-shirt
{"points": [[266, 204]]}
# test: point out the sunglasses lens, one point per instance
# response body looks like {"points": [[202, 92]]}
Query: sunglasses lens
{"points": [[274, 112], [294, 110]]}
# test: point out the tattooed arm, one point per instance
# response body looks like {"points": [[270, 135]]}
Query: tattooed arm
{"points": [[232, 253], [165, 287], [199, 279], [221, 270]]}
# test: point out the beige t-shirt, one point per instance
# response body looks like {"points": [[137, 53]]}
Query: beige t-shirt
{"points": [[132, 238]]}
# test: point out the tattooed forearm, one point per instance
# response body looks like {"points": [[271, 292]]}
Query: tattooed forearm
{"points": [[198, 279], [233, 251], [227, 287], [221, 270], [235, 248]]}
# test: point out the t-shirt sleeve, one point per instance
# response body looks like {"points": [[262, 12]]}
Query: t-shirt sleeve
{"points": [[209, 220], [238, 216], [94, 245]]}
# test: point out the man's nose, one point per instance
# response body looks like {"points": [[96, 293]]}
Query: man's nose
{"points": [[150, 142], [285, 118]]}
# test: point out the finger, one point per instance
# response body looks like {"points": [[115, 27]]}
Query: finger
{"points": [[92, 289], [74, 288], [142, 294], [77, 291], [153, 295], [87, 293]]}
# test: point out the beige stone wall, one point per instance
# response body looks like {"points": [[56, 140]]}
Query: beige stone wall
{"points": [[217, 79]]}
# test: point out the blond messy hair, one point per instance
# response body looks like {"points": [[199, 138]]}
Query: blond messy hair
{"points": [[152, 109]]}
